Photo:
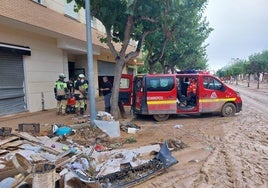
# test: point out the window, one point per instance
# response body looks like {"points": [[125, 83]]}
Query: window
{"points": [[212, 83], [124, 83], [138, 85], [69, 10], [39, 1], [160, 84]]}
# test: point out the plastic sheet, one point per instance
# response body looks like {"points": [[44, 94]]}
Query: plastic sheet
{"points": [[110, 127]]}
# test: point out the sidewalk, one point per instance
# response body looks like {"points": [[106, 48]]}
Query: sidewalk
{"points": [[45, 118]]}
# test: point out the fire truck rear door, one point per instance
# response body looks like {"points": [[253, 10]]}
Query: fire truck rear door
{"points": [[125, 89]]}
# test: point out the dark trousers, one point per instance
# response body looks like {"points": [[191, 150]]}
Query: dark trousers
{"points": [[107, 102]]}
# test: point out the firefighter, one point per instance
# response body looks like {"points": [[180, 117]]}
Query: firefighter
{"points": [[80, 93], [70, 106], [61, 91], [191, 91], [192, 87]]}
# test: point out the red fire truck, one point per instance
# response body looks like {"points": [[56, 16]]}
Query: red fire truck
{"points": [[161, 95]]}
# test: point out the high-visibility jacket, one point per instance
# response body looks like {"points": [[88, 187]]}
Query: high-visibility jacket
{"points": [[60, 88], [81, 88]]}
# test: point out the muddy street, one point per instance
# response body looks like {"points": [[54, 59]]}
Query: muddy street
{"points": [[222, 152]]}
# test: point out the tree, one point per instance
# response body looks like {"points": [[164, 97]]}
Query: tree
{"points": [[259, 64], [179, 41], [124, 20], [248, 70], [237, 68]]}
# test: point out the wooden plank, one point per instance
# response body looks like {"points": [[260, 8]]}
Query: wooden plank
{"points": [[12, 144], [49, 149], [8, 140], [61, 163], [27, 136], [37, 158], [3, 151], [57, 146]]}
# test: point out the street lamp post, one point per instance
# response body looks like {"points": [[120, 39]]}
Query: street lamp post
{"points": [[90, 65]]}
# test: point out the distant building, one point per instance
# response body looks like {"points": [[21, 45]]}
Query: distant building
{"points": [[39, 39]]}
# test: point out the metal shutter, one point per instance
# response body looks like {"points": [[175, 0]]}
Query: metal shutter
{"points": [[12, 97], [106, 68]]}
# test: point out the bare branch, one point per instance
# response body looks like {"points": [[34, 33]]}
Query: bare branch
{"points": [[163, 48], [109, 42], [153, 20], [128, 29], [138, 48]]}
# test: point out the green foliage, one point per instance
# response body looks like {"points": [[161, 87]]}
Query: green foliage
{"points": [[237, 67], [259, 62], [179, 41], [221, 73], [256, 64], [172, 31], [145, 68], [130, 140]]}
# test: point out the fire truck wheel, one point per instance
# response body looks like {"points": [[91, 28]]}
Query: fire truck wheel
{"points": [[228, 110], [161, 117]]}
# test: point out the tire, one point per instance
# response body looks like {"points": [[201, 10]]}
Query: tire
{"points": [[228, 110], [161, 117]]}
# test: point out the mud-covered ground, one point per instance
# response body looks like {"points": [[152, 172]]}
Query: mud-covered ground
{"points": [[221, 152]]}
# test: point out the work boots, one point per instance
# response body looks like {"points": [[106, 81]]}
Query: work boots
{"points": [[81, 111]]}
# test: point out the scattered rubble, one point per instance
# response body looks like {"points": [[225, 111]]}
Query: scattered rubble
{"points": [[79, 152], [5, 131], [129, 127]]}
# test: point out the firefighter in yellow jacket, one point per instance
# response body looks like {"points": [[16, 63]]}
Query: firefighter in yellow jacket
{"points": [[80, 93], [61, 91]]}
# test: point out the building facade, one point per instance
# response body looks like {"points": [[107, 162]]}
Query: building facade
{"points": [[39, 39]]}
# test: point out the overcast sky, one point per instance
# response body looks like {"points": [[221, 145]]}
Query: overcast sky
{"points": [[240, 30]]}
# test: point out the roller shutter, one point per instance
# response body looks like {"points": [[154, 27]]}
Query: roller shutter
{"points": [[106, 68], [12, 95]]}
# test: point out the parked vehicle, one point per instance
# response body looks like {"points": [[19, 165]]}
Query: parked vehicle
{"points": [[161, 95]]}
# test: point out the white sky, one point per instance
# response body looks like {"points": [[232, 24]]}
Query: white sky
{"points": [[240, 30]]}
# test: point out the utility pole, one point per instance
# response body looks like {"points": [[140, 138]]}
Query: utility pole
{"points": [[90, 65]]}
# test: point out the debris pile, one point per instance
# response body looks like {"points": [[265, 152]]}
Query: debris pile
{"points": [[104, 116], [129, 127], [78, 154]]}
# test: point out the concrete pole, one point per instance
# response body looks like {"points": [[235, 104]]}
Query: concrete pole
{"points": [[90, 65]]}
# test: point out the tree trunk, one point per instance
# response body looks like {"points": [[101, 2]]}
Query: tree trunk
{"points": [[248, 79], [119, 64], [258, 84], [151, 67]]}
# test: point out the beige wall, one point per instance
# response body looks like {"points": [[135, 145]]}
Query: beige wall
{"points": [[41, 68], [59, 6], [41, 28], [56, 5]]}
